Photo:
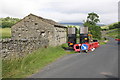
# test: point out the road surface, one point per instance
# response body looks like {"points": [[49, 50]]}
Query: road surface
{"points": [[101, 63]]}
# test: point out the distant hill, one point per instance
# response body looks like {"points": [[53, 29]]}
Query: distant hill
{"points": [[107, 26], [110, 24], [77, 23]]}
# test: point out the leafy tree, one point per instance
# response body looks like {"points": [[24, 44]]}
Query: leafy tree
{"points": [[96, 32], [113, 26], [92, 20], [8, 22], [117, 25]]}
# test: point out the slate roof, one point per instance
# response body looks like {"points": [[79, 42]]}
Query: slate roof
{"points": [[49, 21]]}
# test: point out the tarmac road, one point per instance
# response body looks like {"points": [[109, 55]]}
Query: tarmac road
{"points": [[101, 63]]}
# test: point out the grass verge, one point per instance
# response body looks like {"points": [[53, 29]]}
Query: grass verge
{"points": [[102, 43], [32, 63], [0, 68]]}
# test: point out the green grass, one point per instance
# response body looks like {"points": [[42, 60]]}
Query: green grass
{"points": [[102, 43], [23, 67], [5, 33], [0, 68]]}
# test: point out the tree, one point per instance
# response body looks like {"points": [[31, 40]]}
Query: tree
{"points": [[115, 25], [8, 22], [91, 23], [93, 18]]}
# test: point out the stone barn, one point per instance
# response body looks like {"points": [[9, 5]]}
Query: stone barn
{"points": [[34, 27]]}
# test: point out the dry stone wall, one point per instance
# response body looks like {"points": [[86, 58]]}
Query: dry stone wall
{"points": [[19, 48]]}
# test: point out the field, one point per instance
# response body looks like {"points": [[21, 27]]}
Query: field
{"points": [[104, 27], [5, 32]]}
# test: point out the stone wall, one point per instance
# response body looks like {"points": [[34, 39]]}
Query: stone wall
{"points": [[18, 48]]}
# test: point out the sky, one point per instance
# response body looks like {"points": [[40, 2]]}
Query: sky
{"points": [[61, 10]]}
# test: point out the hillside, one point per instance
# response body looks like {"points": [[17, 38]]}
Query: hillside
{"points": [[110, 25], [112, 30], [76, 23], [114, 33]]}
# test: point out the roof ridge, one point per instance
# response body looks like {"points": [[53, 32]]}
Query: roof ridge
{"points": [[49, 21]]}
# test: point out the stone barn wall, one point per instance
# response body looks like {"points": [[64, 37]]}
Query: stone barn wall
{"points": [[34, 27], [60, 36]]}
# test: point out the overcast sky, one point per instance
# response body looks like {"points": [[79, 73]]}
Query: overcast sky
{"points": [[61, 10]]}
